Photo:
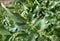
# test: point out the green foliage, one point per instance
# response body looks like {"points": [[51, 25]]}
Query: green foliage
{"points": [[30, 20]]}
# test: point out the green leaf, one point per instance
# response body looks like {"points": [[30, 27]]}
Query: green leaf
{"points": [[14, 16], [3, 31]]}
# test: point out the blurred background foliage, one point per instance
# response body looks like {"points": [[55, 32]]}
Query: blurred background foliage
{"points": [[30, 20]]}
